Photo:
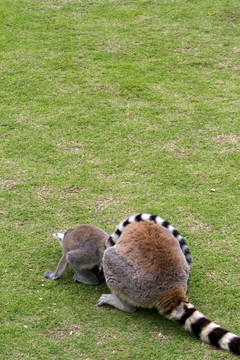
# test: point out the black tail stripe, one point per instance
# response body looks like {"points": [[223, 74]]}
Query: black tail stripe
{"points": [[182, 242], [118, 232], [199, 325], [111, 241], [165, 224], [153, 218], [186, 315], [126, 222], [216, 334], [175, 233], [138, 217], [234, 345], [186, 251]]}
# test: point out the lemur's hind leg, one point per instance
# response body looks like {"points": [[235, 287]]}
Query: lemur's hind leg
{"points": [[113, 300], [80, 263], [85, 277], [118, 274]]}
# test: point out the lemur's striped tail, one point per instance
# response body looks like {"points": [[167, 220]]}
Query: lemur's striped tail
{"points": [[143, 217], [195, 322]]}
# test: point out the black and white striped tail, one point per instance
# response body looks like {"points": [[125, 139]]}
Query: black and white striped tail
{"points": [[143, 217], [195, 322]]}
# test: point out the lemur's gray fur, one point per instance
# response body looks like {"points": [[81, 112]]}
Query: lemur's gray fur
{"points": [[83, 249]]}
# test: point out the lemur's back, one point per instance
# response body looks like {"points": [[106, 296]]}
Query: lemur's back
{"points": [[153, 247]]}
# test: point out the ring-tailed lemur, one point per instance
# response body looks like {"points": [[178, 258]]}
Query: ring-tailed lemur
{"points": [[147, 268], [144, 217], [83, 249]]}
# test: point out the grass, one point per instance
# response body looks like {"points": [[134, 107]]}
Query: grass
{"points": [[109, 108]]}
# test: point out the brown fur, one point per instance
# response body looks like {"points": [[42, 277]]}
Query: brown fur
{"points": [[171, 300], [152, 245]]}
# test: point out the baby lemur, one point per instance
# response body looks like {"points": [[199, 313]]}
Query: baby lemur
{"points": [[147, 268], [83, 249]]}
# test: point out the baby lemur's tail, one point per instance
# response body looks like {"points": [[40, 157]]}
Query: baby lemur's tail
{"points": [[195, 322]]}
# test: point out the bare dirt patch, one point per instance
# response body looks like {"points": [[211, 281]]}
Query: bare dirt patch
{"points": [[62, 333], [44, 192]]}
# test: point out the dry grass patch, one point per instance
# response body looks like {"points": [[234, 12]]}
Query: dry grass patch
{"points": [[227, 139], [105, 203], [198, 225], [172, 147], [71, 146], [9, 184]]}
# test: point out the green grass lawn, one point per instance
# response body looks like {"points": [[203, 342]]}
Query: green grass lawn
{"points": [[109, 108]]}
